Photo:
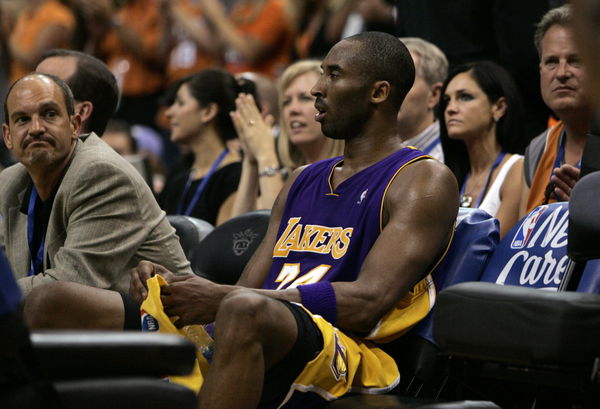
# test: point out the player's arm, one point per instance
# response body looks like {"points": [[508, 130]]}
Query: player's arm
{"points": [[258, 267], [195, 300], [419, 214]]}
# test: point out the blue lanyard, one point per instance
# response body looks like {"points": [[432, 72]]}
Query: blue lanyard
{"points": [[37, 255], [487, 182], [200, 187], [432, 145]]}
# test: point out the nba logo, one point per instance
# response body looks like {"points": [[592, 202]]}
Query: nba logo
{"points": [[526, 228], [149, 323]]}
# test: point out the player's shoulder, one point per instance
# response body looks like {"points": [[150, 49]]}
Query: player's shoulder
{"points": [[427, 177]]}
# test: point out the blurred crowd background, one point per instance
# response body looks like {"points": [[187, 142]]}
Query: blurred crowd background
{"points": [[151, 44]]}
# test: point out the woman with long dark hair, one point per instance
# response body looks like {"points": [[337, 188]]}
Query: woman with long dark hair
{"points": [[199, 119], [482, 133]]}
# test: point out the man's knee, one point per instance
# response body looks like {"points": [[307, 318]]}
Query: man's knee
{"points": [[246, 317], [68, 305], [47, 302], [242, 307]]}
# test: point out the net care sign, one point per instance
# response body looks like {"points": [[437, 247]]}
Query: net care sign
{"points": [[533, 254]]}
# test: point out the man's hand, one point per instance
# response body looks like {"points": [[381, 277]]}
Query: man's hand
{"points": [[193, 299], [564, 179], [138, 289]]}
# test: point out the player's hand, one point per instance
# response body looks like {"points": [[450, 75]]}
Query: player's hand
{"points": [[138, 290], [193, 299], [564, 179]]}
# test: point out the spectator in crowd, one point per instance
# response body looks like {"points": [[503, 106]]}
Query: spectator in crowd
{"points": [[267, 345], [372, 15], [552, 159], [200, 120], [267, 93], [417, 123], [40, 26], [119, 137], [93, 85], [133, 50], [320, 24], [192, 47], [300, 141], [484, 30], [73, 209], [256, 35], [482, 131]]}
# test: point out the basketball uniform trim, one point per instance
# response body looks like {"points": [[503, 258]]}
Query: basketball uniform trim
{"points": [[345, 364], [330, 178]]}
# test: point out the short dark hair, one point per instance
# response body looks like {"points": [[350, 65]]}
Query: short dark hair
{"points": [[216, 85], [495, 82], [66, 91], [384, 57], [92, 81]]}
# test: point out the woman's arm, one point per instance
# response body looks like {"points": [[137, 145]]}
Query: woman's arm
{"points": [[510, 198]]}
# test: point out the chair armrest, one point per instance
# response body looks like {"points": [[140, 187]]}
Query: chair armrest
{"points": [[517, 325], [86, 354]]}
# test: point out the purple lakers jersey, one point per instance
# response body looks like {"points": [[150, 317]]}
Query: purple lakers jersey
{"points": [[326, 234]]}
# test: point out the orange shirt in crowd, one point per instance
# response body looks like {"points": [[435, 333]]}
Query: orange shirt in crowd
{"points": [[272, 27], [186, 57], [541, 178], [30, 26], [135, 76]]}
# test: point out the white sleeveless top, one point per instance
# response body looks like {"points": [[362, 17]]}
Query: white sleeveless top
{"points": [[491, 201]]}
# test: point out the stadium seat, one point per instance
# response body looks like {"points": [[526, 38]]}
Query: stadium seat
{"points": [[520, 346], [92, 370], [223, 254], [476, 236], [191, 231]]}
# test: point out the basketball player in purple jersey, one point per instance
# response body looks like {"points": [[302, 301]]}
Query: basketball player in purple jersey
{"points": [[352, 239], [344, 267]]}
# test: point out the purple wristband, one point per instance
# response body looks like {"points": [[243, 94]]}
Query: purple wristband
{"points": [[319, 299]]}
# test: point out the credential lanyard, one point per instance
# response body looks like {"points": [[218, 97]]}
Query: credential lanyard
{"points": [[37, 254], [432, 145], [487, 182], [200, 187]]}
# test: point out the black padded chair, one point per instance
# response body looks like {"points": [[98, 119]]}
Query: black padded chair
{"points": [[92, 370], [524, 347], [87, 370], [223, 254], [191, 231]]}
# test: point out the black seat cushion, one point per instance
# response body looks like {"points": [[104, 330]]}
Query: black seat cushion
{"points": [[128, 393], [101, 354], [523, 326], [223, 254], [191, 232]]}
